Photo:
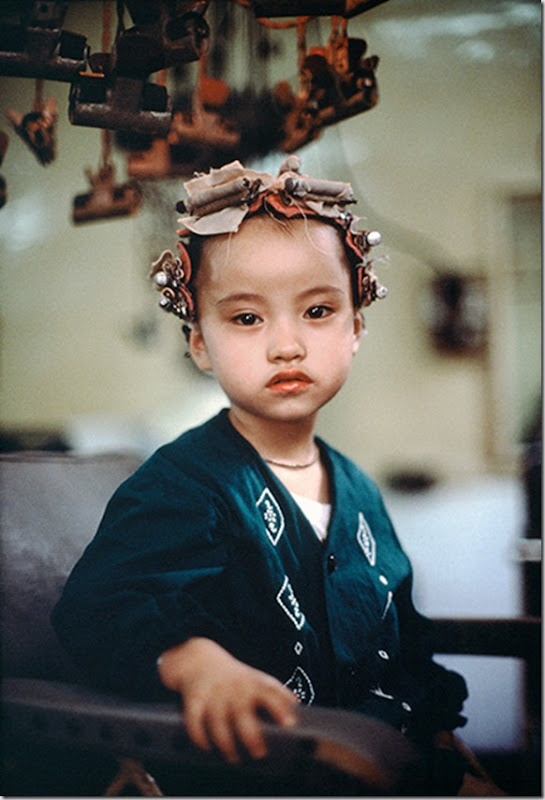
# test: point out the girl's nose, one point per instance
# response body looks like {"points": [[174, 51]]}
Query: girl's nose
{"points": [[286, 343]]}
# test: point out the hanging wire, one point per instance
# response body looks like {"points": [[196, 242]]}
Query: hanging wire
{"points": [[301, 42], [106, 135], [39, 95]]}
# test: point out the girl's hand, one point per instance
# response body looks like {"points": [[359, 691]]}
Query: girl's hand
{"points": [[223, 698]]}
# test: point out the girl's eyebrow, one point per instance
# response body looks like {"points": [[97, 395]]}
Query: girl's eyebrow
{"points": [[240, 297], [253, 297], [316, 290]]}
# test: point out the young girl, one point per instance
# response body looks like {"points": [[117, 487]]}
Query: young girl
{"points": [[248, 565]]}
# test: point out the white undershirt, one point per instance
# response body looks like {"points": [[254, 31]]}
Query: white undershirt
{"points": [[318, 514]]}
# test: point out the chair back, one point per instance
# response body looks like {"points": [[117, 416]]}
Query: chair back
{"points": [[51, 505]]}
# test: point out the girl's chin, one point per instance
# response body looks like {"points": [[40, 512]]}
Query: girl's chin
{"points": [[290, 415]]}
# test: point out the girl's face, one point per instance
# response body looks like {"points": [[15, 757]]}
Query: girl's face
{"points": [[277, 324]]}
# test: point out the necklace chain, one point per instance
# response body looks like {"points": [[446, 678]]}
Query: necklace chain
{"points": [[283, 464]]}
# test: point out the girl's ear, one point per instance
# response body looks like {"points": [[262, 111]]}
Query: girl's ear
{"points": [[197, 348], [359, 330]]}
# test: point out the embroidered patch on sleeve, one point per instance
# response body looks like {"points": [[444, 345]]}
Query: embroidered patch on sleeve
{"points": [[301, 686], [288, 601], [366, 540], [272, 515]]}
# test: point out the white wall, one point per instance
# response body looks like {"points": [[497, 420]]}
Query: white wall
{"points": [[462, 542]]}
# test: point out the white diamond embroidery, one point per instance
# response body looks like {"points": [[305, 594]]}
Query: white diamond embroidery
{"points": [[366, 540], [288, 601], [272, 515], [301, 685]]}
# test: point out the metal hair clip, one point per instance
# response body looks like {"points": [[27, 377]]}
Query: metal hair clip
{"points": [[171, 275]]}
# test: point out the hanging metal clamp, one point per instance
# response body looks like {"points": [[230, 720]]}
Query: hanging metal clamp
{"points": [[39, 48], [120, 103], [115, 94]]}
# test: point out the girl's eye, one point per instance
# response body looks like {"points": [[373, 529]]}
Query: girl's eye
{"points": [[246, 319], [318, 312]]}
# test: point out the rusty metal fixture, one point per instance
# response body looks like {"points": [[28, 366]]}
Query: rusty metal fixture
{"points": [[39, 48], [37, 127], [335, 82], [120, 103], [106, 199], [115, 93], [315, 8], [215, 123]]}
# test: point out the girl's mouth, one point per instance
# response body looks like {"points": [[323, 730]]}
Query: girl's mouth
{"points": [[289, 382]]}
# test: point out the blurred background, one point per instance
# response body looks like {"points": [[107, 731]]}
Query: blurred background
{"points": [[443, 405]]}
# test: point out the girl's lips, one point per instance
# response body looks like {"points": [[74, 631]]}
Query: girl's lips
{"points": [[289, 382]]}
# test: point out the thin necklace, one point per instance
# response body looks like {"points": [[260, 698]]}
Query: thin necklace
{"points": [[283, 464]]}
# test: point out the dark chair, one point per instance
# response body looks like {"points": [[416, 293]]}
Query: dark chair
{"points": [[62, 737]]}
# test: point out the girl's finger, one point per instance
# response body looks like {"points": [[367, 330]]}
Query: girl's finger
{"points": [[221, 731], [249, 733], [281, 705], [194, 718]]}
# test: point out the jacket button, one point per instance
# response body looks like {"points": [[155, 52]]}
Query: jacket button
{"points": [[384, 655], [331, 563]]}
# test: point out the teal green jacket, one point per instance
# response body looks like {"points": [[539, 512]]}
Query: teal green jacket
{"points": [[203, 540]]}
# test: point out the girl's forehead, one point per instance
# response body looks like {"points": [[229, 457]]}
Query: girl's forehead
{"points": [[262, 237], [279, 264]]}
